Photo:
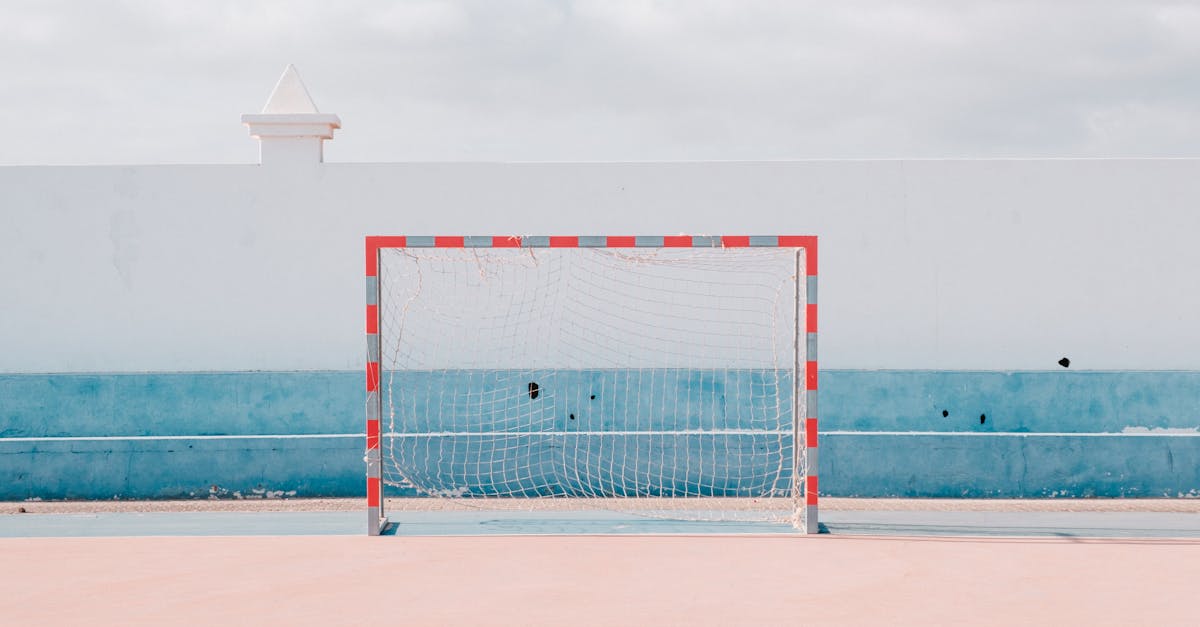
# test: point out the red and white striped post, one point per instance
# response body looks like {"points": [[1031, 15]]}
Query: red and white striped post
{"points": [[806, 464], [376, 517]]}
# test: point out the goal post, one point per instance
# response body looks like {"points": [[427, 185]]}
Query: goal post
{"points": [[672, 376]]}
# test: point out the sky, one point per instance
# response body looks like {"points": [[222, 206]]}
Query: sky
{"points": [[606, 80]]}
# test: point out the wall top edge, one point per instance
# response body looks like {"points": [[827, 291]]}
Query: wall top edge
{"points": [[776, 162]]}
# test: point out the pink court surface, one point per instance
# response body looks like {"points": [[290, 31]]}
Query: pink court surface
{"points": [[591, 580], [633, 579]]}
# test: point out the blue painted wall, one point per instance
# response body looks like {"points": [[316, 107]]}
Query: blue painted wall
{"points": [[238, 403], [1054, 401], [885, 431]]}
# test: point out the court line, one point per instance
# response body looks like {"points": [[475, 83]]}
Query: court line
{"points": [[718, 432]]}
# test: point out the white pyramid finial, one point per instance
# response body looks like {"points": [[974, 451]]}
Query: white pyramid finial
{"points": [[290, 95], [289, 129]]}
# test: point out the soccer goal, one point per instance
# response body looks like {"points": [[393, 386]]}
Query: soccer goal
{"points": [[666, 376]]}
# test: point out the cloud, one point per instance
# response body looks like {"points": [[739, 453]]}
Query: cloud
{"points": [[606, 80]]}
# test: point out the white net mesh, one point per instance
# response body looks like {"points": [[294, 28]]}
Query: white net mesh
{"points": [[655, 380]]}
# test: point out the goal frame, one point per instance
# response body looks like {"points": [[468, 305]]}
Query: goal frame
{"points": [[803, 436]]}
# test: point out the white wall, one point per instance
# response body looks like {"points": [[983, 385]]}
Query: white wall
{"points": [[1006, 264]]}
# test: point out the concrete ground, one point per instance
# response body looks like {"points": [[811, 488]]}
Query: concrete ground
{"points": [[598, 580], [308, 563]]}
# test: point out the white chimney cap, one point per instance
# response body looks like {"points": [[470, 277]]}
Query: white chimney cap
{"points": [[290, 129], [290, 95]]}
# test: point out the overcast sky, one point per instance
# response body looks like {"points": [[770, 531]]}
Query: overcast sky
{"points": [[604, 80]]}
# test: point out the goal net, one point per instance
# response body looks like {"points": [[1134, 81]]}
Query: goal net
{"points": [[666, 381]]}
